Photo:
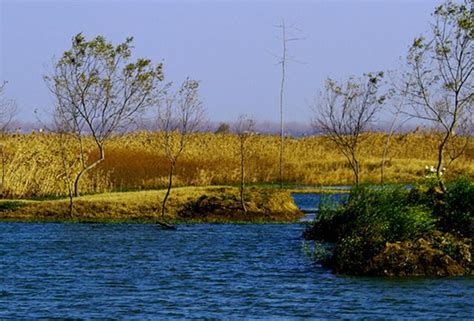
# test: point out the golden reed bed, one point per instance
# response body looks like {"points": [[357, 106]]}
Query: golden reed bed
{"points": [[32, 163]]}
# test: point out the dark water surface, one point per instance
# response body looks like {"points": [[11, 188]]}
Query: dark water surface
{"points": [[199, 271]]}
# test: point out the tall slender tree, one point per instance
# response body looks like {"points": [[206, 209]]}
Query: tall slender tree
{"points": [[244, 129], [180, 114], [283, 58]]}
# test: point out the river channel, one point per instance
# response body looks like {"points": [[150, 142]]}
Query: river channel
{"points": [[221, 271]]}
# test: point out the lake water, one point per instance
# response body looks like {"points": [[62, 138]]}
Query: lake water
{"points": [[199, 271]]}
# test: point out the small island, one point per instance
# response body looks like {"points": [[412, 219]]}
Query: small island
{"points": [[186, 205], [397, 231]]}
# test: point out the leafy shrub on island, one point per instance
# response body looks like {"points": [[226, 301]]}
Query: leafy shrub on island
{"points": [[398, 231]]}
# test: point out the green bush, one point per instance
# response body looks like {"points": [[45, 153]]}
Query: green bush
{"points": [[387, 211], [366, 222], [376, 230], [10, 205], [456, 213], [352, 253]]}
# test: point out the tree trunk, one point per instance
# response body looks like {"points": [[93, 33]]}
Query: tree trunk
{"points": [[242, 175], [170, 183], [356, 172], [384, 157], [354, 163], [2, 192], [71, 205], [439, 166], [88, 168], [282, 89]]}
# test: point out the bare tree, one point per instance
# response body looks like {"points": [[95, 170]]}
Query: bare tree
{"points": [[244, 129], [98, 91], [283, 60], [3, 174], [344, 112], [459, 142], [180, 114], [440, 74], [8, 111]]}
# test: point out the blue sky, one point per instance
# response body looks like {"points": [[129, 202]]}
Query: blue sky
{"points": [[228, 45]]}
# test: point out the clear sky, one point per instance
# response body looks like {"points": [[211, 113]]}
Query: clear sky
{"points": [[228, 45]]}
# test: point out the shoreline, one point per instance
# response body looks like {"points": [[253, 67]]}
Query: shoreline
{"points": [[187, 205]]}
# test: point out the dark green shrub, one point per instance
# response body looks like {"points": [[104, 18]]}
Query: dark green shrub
{"points": [[374, 230], [10, 205], [353, 253], [388, 211], [331, 225], [370, 218], [456, 213]]}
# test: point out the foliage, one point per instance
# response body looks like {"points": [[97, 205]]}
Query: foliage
{"points": [[392, 231], [386, 212], [453, 209], [10, 205], [99, 91], [456, 213]]}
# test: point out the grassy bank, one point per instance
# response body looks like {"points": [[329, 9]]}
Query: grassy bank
{"points": [[399, 232], [187, 204], [137, 161]]}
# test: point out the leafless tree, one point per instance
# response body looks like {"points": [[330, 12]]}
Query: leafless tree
{"points": [[440, 74], [283, 60], [244, 129], [8, 111], [98, 91], [180, 114], [345, 111]]}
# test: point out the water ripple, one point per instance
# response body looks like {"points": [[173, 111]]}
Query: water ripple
{"points": [[88, 271]]}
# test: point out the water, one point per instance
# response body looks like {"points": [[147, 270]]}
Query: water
{"points": [[199, 271], [310, 202]]}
